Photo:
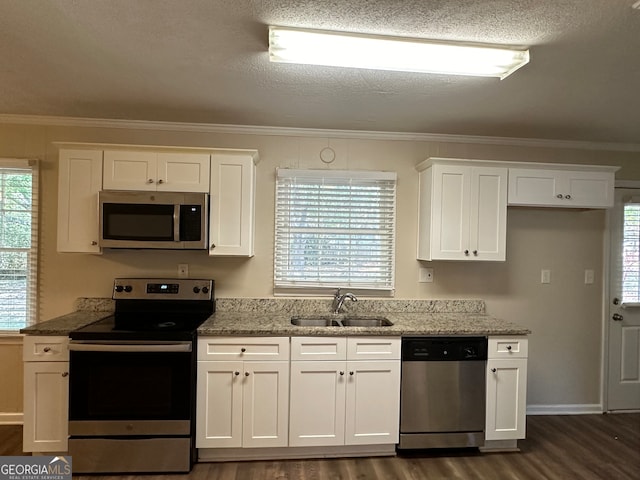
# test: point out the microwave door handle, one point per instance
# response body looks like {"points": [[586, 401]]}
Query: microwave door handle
{"points": [[176, 223]]}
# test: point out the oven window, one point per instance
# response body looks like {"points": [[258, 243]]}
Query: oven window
{"points": [[130, 386], [145, 222]]}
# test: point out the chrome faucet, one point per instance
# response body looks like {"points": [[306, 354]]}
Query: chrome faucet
{"points": [[338, 300]]}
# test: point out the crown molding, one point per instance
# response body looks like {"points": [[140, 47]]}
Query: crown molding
{"points": [[312, 132]]}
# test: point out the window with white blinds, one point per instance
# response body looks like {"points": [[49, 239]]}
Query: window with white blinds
{"points": [[631, 252], [334, 229], [18, 243]]}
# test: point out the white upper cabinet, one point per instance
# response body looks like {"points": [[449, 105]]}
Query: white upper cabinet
{"points": [[156, 171], [232, 204], [79, 181], [462, 210], [584, 187]]}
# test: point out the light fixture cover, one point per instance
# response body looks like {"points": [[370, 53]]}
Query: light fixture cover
{"points": [[318, 47]]}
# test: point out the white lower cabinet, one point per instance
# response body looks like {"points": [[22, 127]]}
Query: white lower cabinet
{"points": [[506, 388], [242, 392], [46, 394], [344, 391]]}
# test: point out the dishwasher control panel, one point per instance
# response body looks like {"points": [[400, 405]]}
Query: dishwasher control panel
{"points": [[431, 349]]}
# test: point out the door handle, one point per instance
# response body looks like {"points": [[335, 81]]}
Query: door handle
{"points": [[617, 317]]}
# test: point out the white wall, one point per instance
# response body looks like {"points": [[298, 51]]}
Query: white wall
{"points": [[565, 316]]}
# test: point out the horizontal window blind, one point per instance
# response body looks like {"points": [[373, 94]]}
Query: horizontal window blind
{"points": [[335, 229], [18, 243], [631, 253]]}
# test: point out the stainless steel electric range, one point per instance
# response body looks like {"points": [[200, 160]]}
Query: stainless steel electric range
{"points": [[132, 379]]}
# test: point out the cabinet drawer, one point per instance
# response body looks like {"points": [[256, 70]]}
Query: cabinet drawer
{"points": [[508, 347], [373, 348], [243, 348], [45, 349], [318, 348]]}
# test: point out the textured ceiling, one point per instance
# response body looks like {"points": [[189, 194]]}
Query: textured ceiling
{"points": [[206, 61]]}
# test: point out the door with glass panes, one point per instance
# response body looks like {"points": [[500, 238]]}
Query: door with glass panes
{"points": [[623, 322]]}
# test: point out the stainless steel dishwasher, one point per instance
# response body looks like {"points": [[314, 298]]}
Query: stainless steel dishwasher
{"points": [[442, 395]]}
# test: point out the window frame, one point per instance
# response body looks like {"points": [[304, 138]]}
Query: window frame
{"points": [[31, 299], [386, 182]]}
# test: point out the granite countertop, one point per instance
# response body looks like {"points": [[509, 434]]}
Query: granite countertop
{"points": [[228, 323], [272, 316]]}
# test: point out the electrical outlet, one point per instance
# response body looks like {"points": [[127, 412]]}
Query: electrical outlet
{"points": [[425, 275], [545, 276], [183, 270]]}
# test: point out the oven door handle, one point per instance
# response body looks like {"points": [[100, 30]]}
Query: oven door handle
{"points": [[105, 347]]}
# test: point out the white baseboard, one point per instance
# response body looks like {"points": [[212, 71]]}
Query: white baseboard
{"points": [[11, 418], [565, 409]]}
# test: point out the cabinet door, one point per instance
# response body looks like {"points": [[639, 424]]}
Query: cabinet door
{"points": [[372, 402], [506, 399], [219, 404], [536, 187], [231, 217], [590, 189], [79, 181], [450, 212], [265, 406], [488, 214], [183, 172], [561, 188], [46, 400], [129, 170], [317, 403]]}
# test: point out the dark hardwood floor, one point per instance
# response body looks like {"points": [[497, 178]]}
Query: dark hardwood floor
{"points": [[557, 447]]}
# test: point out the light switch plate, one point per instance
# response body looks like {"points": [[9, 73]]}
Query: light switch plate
{"points": [[589, 276], [545, 276]]}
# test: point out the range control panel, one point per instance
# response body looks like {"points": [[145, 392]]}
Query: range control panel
{"points": [[162, 288]]}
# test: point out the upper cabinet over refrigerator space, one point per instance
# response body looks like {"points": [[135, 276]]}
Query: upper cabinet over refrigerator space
{"points": [[558, 186]]}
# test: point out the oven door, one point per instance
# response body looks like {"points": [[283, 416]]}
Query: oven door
{"points": [[121, 388]]}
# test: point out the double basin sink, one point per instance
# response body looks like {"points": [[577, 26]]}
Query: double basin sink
{"points": [[340, 321]]}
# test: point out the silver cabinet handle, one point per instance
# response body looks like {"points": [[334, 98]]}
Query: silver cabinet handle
{"points": [[568, 197], [160, 181], [150, 180], [559, 195], [617, 317]]}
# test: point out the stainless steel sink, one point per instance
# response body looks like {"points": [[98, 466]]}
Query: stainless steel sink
{"points": [[315, 322], [340, 321], [366, 322]]}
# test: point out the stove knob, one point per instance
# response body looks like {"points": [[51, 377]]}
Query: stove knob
{"points": [[196, 289], [205, 289], [119, 288], [128, 288]]}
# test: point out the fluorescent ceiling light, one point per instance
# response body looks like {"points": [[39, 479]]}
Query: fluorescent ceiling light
{"points": [[317, 47]]}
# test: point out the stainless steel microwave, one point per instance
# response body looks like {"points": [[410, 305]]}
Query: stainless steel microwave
{"points": [[162, 220]]}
